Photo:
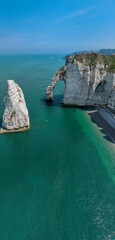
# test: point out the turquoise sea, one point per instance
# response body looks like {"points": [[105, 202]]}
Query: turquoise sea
{"points": [[57, 180]]}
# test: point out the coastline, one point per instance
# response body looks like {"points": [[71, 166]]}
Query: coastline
{"points": [[101, 116], [104, 120]]}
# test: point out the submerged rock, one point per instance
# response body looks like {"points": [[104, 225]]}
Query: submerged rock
{"points": [[16, 117]]}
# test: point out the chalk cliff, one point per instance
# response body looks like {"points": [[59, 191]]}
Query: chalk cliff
{"points": [[16, 117], [89, 80]]}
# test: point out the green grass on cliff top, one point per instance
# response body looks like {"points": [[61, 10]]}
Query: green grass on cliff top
{"points": [[92, 59]]}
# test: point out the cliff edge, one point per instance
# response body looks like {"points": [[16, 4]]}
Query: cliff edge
{"points": [[89, 80]]}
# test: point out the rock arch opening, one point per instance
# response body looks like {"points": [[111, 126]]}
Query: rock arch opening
{"points": [[58, 92], [59, 76]]}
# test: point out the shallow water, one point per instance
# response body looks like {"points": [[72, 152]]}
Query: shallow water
{"points": [[57, 179]]}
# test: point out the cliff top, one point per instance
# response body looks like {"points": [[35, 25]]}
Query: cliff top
{"points": [[92, 59], [101, 51]]}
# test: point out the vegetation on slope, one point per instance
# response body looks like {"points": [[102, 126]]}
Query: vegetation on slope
{"points": [[101, 51], [92, 59]]}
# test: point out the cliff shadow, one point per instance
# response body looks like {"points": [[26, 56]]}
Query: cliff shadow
{"points": [[105, 128], [58, 99]]}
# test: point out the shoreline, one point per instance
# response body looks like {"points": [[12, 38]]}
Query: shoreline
{"points": [[104, 120], [101, 116]]}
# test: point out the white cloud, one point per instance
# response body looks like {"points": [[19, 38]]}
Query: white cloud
{"points": [[72, 15]]}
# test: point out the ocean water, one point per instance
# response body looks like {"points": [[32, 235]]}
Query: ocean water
{"points": [[57, 180]]}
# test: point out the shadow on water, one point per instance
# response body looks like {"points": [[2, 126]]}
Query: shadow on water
{"points": [[104, 127], [57, 101]]}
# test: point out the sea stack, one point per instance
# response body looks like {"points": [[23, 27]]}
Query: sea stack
{"points": [[16, 116]]}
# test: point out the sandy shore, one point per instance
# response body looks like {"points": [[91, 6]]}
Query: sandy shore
{"points": [[104, 120]]}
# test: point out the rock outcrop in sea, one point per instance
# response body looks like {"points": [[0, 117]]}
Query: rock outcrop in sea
{"points": [[89, 80], [16, 116]]}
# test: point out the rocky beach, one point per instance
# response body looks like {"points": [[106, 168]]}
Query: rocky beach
{"points": [[104, 120]]}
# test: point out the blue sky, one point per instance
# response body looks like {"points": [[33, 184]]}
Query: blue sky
{"points": [[56, 26]]}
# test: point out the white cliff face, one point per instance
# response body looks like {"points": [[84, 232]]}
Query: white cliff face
{"points": [[77, 84], [111, 100], [16, 115], [87, 85]]}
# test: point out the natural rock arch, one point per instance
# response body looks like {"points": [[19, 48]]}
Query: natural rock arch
{"points": [[59, 76]]}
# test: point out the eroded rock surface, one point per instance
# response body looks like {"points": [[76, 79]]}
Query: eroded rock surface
{"points": [[111, 101], [16, 117], [87, 82]]}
